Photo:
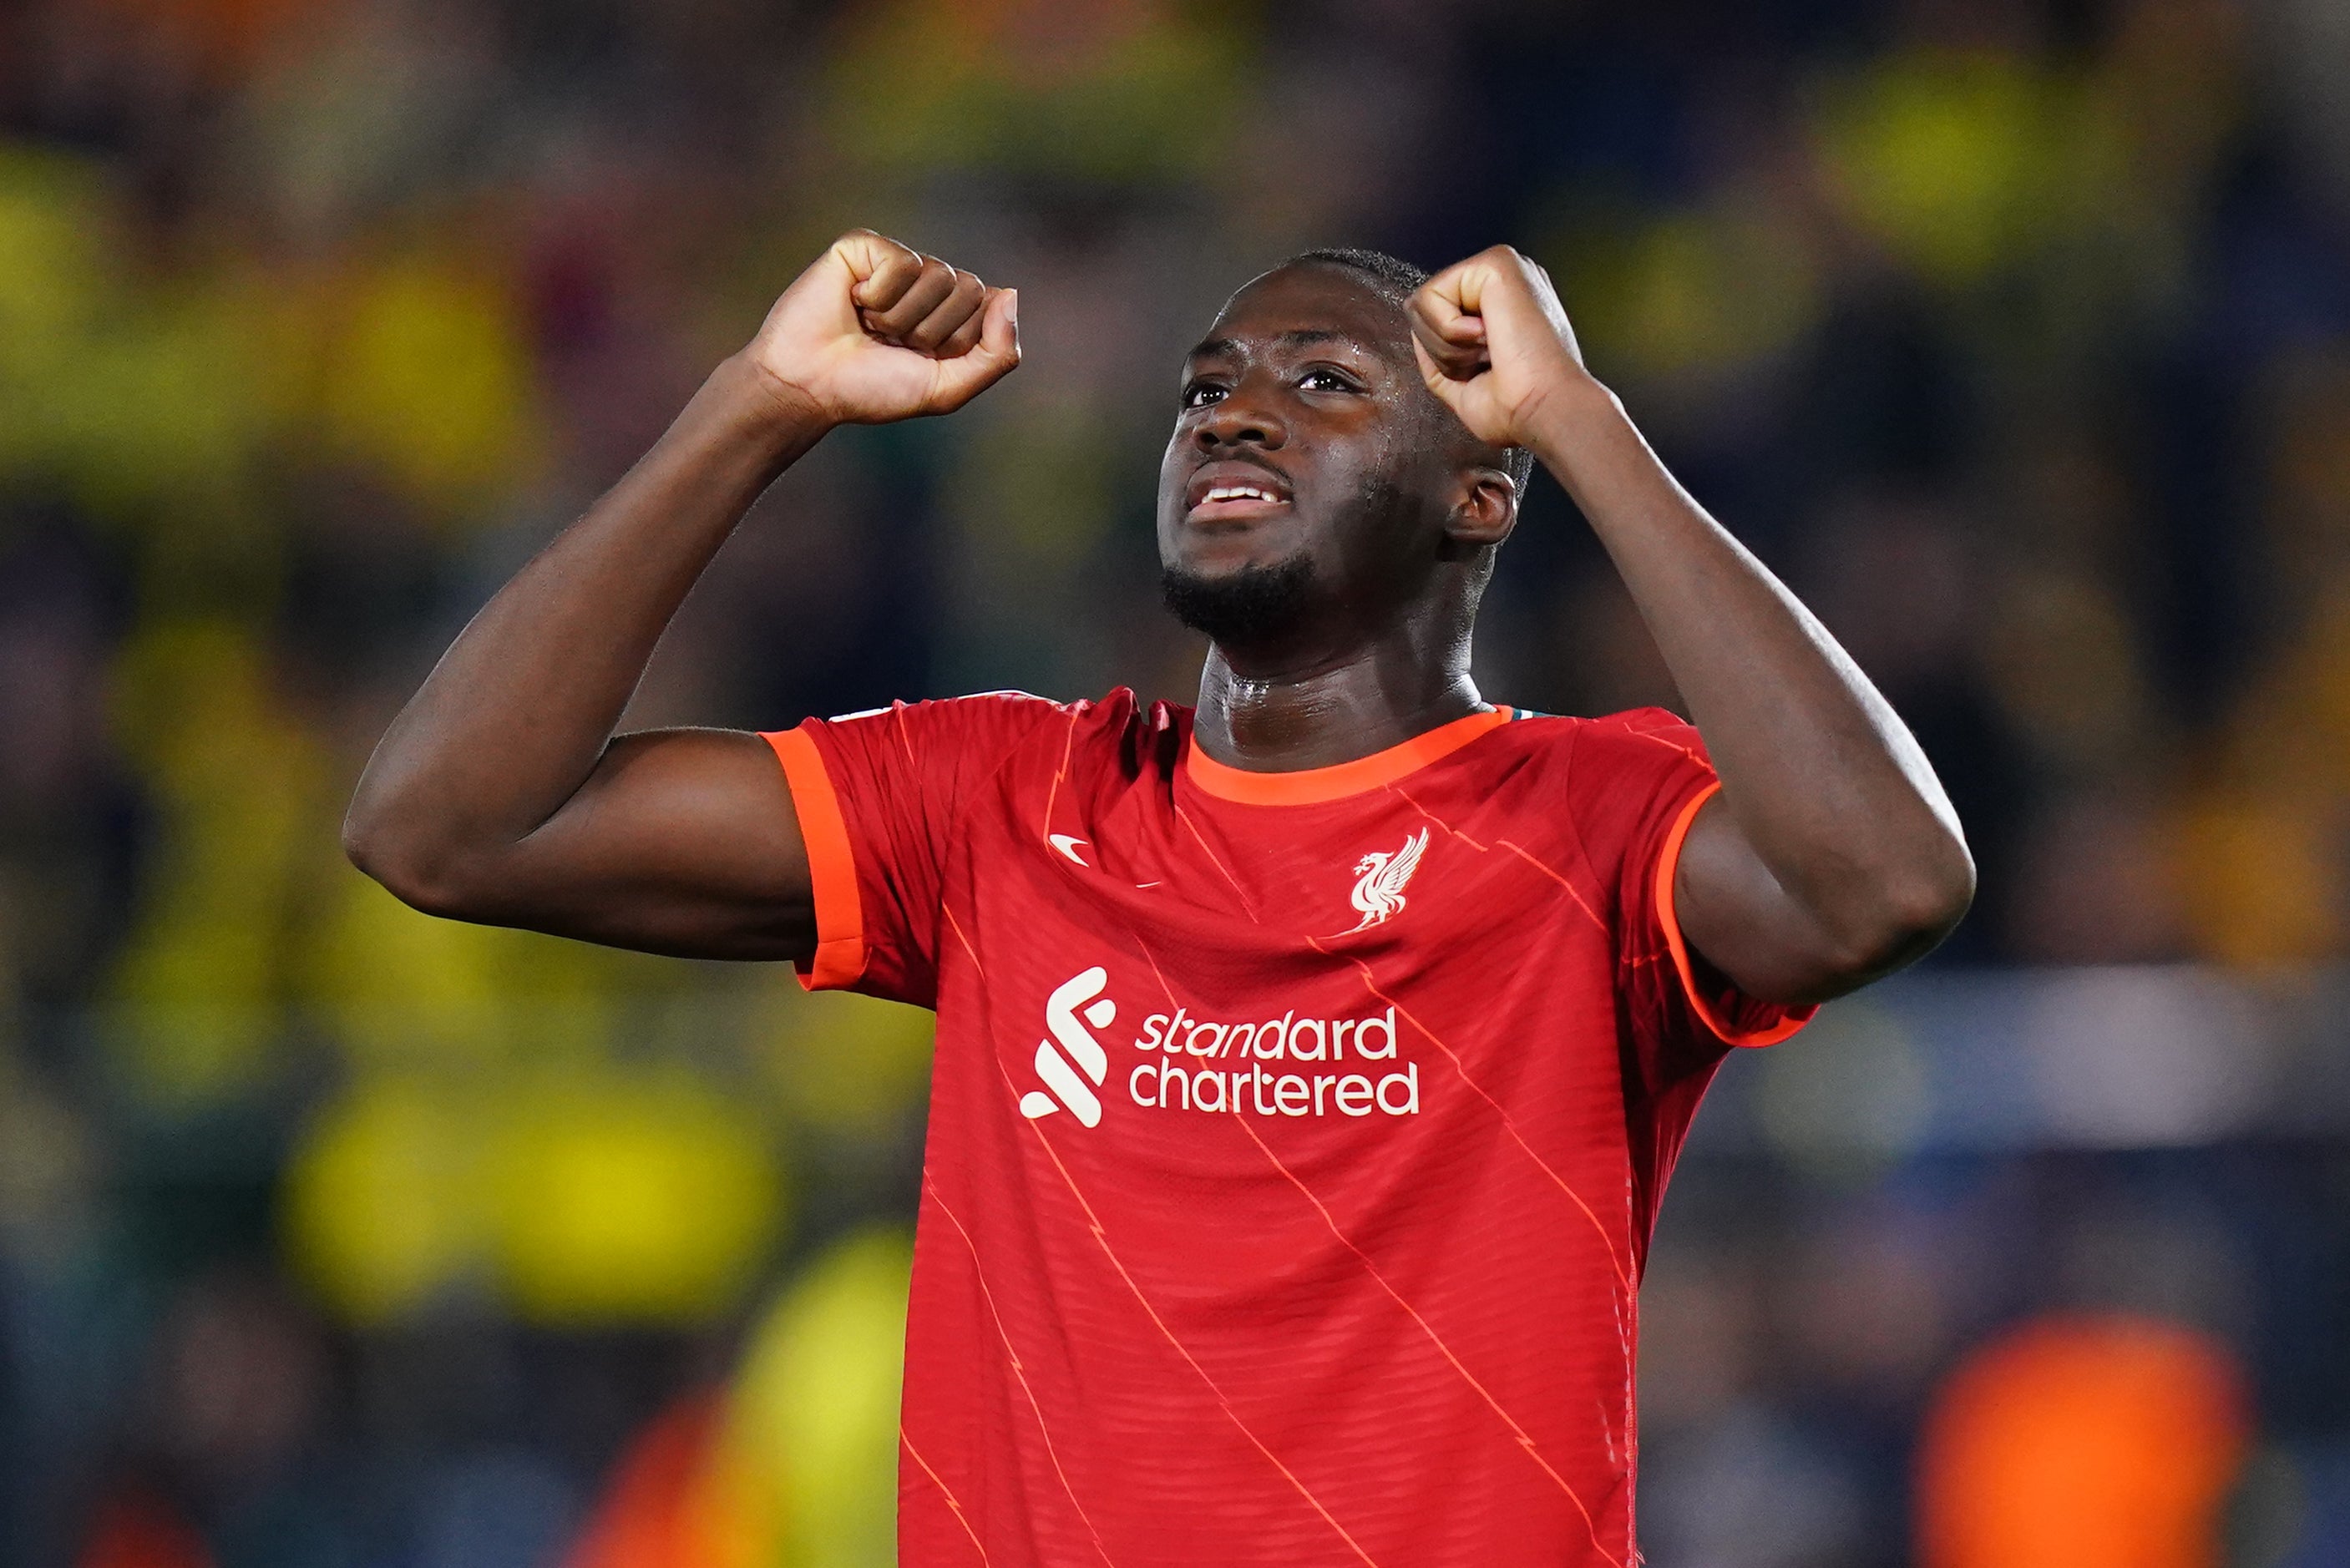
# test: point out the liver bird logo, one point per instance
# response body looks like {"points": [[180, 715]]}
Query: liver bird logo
{"points": [[1379, 879]]}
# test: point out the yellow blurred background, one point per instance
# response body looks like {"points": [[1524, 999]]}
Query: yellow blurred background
{"points": [[2015, 333]]}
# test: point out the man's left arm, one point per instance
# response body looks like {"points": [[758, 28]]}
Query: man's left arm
{"points": [[1832, 855]]}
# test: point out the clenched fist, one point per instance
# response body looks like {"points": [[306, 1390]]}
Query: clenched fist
{"points": [[1495, 344], [875, 331]]}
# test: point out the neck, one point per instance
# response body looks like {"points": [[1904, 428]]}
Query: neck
{"points": [[1279, 714]]}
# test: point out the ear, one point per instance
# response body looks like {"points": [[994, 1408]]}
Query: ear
{"points": [[1484, 509]]}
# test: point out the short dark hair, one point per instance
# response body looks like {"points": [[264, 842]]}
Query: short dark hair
{"points": [[1391, 276], [1396, 279]]}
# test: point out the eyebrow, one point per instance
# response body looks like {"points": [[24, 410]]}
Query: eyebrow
{"points": [[1295, 337]]}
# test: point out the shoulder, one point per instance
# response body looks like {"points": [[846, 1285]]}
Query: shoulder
{"points": [[986, 730], [1117, 716], [1116, 734], [1615, 764], [1006, 708], [980, 717], [1654, 736], [1627, 740]]}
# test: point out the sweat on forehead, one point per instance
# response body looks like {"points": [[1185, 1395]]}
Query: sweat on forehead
{"points": [[1321, 303]]}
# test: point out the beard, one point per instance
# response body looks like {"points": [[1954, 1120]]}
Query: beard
{"points": [[1253, 605]]}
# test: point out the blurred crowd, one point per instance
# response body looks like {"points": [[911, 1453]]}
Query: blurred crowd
{"points": [[2015, 333]]}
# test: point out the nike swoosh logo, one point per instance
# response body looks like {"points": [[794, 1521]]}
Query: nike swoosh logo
{"points": [[1067, 843]]}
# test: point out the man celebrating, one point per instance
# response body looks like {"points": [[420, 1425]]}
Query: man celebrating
{"points": [[1310, 1063]]}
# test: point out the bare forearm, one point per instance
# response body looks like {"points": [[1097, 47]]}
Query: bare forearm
{"points": [[1833, 854], [500, 793], [514, 717], [1820, 776]]}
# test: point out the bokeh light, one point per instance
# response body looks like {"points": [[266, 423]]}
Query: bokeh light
{"points": [[2015, 336]]}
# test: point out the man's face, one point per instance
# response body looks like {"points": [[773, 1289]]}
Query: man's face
{"points": [[1307, 452]]}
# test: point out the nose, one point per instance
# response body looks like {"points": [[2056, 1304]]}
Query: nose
{"points": [[1243, 416]]}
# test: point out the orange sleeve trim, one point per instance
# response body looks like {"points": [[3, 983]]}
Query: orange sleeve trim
{"points": [[840, 952], [1668, 864]]}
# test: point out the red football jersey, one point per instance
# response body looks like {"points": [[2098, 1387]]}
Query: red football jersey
{"points": [[1295, 1138]]}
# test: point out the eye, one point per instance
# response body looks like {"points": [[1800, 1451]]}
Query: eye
{"points": [[1200, 394], [1325, 380]]}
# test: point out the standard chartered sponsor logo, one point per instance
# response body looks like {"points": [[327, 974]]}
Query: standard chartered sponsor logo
{"points": [[1284, 1066], [1061, 1012], [1182, 1076]]}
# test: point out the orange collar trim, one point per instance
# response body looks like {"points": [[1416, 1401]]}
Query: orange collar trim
{"points": [[1310, 786]]}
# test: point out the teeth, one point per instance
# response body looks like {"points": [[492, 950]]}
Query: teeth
{"points": [[1239, 493]]}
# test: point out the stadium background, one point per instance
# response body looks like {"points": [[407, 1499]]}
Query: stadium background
{"points": [[2016, 335]]}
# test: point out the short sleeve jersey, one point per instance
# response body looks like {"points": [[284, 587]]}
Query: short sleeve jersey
{"points": [[1295, 1138]]}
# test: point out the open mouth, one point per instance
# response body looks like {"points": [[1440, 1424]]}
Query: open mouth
{"points": [[1218, 493]]}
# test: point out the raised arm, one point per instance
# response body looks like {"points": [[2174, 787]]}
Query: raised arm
{"points": [[1832, 854], [501, 794]]}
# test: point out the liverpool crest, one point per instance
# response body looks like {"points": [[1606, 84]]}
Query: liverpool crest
{"points": [[1381, 878]]}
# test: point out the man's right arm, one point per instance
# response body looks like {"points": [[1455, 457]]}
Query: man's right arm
{"points": [[501, 793]]}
